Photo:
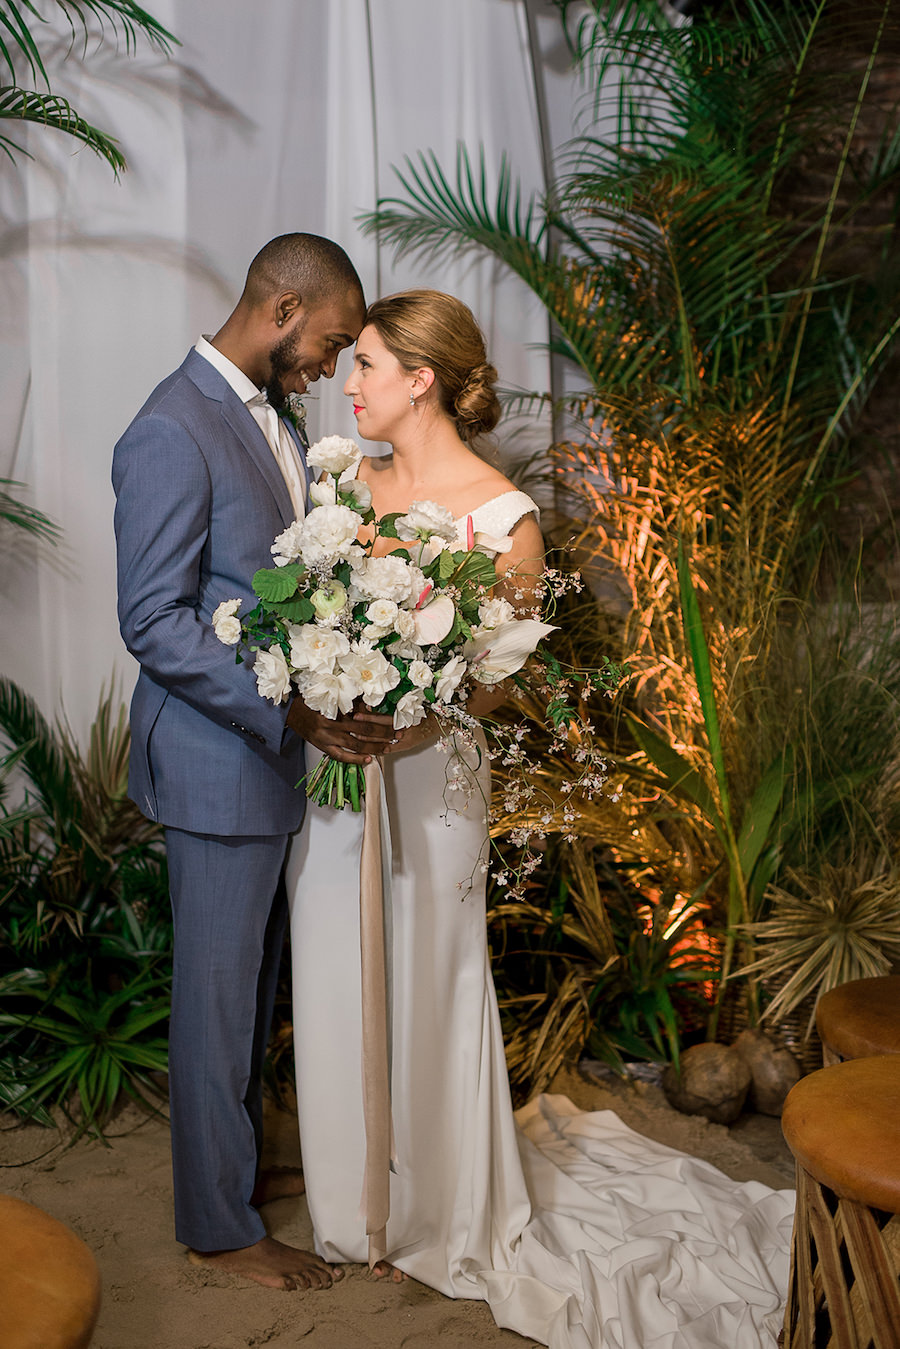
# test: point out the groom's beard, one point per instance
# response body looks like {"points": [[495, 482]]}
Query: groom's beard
{"points": [[282, 358]]}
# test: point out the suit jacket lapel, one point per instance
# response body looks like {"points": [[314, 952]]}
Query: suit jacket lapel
{"points": [[245, 427], [242, 422]]}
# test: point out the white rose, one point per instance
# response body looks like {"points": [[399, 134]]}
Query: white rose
{"points": [[372, 675], [420, 674], [423, 519], [227, 627], [328, 533], [327, 693], [273, 679], [361, 493], [405, 624], [382, 578], [286, 547], [408, 651], [323, 493], [329, 600], [491, 613], [449, 679], [410, 710], [316, 648], [418, 586], [382, 613], [334, 454]]}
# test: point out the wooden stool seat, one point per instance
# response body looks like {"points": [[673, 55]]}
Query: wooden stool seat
{"points": [[860, 1018], [842, 1124], [49, 1282]]}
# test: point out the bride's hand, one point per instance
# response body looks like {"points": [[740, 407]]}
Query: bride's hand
{"points": [[412, 736], [355, 739]]}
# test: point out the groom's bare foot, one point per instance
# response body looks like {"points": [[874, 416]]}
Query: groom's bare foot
{"points": [[278, 1182], [272, 1264], [382, 1270]]}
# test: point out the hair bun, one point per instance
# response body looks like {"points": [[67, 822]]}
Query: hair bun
{"points": [[476, 405]]}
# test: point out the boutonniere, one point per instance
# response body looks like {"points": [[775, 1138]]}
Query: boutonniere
{"points": [[295, 411]]}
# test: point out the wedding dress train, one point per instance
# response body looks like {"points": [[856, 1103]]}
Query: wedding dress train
{"points": [[577, 1231]]}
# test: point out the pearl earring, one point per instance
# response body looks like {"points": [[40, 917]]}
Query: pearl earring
{"points": [[412, 401]]}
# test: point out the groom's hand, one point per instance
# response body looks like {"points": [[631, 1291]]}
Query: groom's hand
{"points": [[352, 739]]}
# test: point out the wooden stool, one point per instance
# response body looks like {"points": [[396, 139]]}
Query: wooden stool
{"points": [[843, 1126], [860, 1018], [49, 1283]]}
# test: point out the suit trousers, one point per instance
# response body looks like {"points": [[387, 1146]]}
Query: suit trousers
{"points": [[229, 910]]}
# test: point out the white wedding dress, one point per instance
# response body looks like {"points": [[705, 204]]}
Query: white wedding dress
{"points": [[578, 1232]]}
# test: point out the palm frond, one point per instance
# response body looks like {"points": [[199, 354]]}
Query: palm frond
{"points": [[17, 17], [25, 105], [43, 760], [15, 512]]}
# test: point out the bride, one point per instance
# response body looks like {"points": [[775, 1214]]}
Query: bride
{"points": [[576, 1231]]}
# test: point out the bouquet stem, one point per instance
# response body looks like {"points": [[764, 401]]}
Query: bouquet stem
{"points": [[337, 784]]}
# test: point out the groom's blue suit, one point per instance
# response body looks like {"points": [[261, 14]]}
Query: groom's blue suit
{"points": [[200, 498]]}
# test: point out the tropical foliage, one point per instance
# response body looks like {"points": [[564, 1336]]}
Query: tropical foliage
{"points": [[719, 266], [85, 937], [25, 34]]}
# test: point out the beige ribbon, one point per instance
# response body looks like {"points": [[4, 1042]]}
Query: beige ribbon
{"points": [[376, 1199]]}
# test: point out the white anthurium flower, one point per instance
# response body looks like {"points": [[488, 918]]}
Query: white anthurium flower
{"points": [[371, 674], [316, 648], [323, 493], [495, 653], [423, 520], [488, 543], [328, 534], [328, 692], [493, 612], [273, 679], [420, 673], [410, 710], [286, 547], [449, 678], [334, 454], [434, 620], [226, 626]]}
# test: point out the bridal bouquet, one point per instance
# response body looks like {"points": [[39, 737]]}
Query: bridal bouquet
{"points": [[405, 634]]}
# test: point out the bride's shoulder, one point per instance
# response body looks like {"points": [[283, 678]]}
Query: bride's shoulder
{"points": [[371, 465]]}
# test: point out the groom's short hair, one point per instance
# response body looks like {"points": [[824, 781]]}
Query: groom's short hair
{"points": [[312, 266]]}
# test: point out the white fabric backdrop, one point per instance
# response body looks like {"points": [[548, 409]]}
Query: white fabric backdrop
{"points": [[276, 116]]}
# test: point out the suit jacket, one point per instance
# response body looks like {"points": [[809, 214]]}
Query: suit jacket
{"points": [[199, 500]]}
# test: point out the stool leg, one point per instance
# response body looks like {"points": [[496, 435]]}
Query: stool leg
{"points": [[876, 1274]]}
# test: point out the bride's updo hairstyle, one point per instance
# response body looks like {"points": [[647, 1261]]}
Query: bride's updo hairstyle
{"points": [[427, 327]]}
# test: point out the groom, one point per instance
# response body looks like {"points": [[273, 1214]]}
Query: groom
{"points": [[205, 477]]}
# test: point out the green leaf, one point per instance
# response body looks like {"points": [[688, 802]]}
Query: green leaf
{"points": [[387, 525], [681, 776], [475, 570], [761, 810], [297, 610], [275, 584], [693, 630]]}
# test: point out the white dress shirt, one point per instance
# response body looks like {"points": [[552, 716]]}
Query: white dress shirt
{"points": [[279, 438]]}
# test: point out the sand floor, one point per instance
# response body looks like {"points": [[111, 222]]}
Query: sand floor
{"points": [[119, 1200]]}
